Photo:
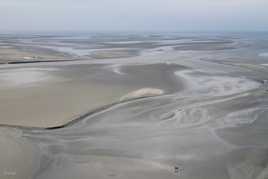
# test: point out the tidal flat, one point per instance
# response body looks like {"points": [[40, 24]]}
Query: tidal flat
{"points": [[190, 106]]}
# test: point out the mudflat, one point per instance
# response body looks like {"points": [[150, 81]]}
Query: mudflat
{"points": [[53, 96], [191, 107]]}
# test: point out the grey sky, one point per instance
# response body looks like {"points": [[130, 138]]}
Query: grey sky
{"points": [[123, 15]]}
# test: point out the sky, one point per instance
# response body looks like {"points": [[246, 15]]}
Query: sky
{"points": [[133, 15]]}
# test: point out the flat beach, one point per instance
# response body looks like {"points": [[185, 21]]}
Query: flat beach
{"points": [[121, 106]]}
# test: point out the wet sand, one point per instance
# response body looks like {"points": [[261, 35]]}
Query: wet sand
{"points": [[53, 96], [191, 112]]}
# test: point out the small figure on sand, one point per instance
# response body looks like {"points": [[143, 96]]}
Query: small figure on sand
{"points": [[178, 169]]}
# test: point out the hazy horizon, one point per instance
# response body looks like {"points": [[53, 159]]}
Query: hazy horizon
{"points": [[130, 15]]}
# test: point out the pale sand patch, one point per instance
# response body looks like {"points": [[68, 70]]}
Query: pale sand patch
{"points": [[24, 76], [144, 92], [114, 53], [10, 54]]}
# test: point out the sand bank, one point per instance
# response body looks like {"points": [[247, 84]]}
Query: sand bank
{"points": [[43, 96]]}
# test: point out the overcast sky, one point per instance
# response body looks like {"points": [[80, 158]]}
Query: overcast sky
{"points": [[133, 15]]}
